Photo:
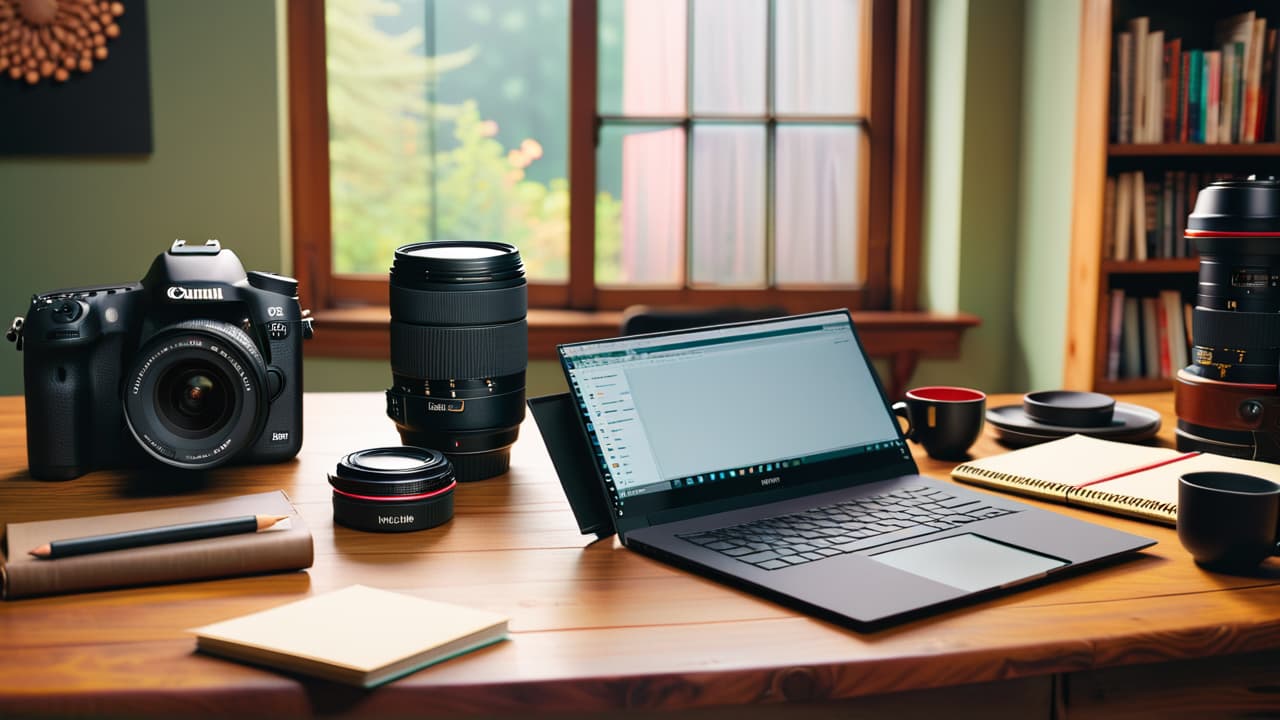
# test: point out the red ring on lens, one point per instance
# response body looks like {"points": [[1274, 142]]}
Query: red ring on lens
{"points": [[399, 498]]}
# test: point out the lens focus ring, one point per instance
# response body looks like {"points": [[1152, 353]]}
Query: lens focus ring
{"points": [[459, 352], [460, 307], [1226, 328]]}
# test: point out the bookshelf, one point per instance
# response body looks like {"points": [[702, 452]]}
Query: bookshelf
{"points": [[1096, 273]]}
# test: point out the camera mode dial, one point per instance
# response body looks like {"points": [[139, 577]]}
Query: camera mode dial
{"points": [[67, 310], [272, 282]]}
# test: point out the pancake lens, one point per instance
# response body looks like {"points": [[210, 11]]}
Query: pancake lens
{"points": [[459, 351], [393, 489]]}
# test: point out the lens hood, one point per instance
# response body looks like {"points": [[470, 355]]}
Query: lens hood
{"points": [[1236, 209], [479, 264]]}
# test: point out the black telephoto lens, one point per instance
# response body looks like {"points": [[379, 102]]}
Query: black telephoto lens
{"points": [[1235, 326], [459, 351]]}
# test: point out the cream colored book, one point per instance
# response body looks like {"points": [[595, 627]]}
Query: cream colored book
{"points": [[358, 635], [1135, 480]]}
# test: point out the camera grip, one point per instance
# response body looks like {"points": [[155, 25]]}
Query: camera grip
{"points": [[58, 414]]}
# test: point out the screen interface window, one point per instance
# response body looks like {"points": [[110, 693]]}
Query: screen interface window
{"points": [[691, 417]]}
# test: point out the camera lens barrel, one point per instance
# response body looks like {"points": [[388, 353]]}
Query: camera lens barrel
{"points": [[1226, 399], [393, 489], [459, 351], [1235, 326]]}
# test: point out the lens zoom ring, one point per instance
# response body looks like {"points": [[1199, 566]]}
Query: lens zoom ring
{"points": [[459, 307], [1228, 329], [425, 351]]}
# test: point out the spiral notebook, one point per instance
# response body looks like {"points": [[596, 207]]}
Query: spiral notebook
{"points": [[1135, 480]]}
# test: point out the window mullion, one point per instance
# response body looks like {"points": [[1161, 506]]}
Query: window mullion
{"points": [[583, 90], [771, 131]]}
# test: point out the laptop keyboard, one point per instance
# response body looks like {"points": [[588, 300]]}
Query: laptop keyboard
{"points": [[852, 526]]}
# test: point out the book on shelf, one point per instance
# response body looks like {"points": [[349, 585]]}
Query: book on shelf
{"points": [[1250, 130], [1122, 89], [1138, 95], [1115, 329], [1167, 91], [1152, 215], [1145, 213], [1123, 198], [1162, 339], [1138, 202], [1131, 339], [287, 546], [1147, 336], [1175, 333], [358, 635], [1172, 73], [1211, 94], [1138, 481], [1195, 97], [1267, 82], [1167, 223], [1150, 338], [1154, 59]]}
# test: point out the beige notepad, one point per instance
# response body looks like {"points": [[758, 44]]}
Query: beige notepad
{"points": [[1134, 480], [358, 635]]}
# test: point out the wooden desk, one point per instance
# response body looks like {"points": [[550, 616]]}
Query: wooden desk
{"points": [[598, 629]]}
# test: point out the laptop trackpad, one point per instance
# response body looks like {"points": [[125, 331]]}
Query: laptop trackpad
{"points": [[969, 562]]}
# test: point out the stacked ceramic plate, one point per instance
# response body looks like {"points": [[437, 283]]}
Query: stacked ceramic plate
{"points": [[1051, 414]]}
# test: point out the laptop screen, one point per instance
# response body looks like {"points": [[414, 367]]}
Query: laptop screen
{"points": [[685, 418]]}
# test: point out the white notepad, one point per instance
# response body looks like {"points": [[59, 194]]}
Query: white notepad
{"points": [[358, 635]]}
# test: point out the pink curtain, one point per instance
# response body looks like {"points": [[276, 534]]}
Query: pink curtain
{"points": [[653, 208], [653, 165], [728, 196], [816, 207]]}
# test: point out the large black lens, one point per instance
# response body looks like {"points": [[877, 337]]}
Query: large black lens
{"points": [[1235, 326], [196, 394], [459, 350]]}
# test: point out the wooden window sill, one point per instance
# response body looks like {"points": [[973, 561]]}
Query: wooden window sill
{"points": [[903, 337]]}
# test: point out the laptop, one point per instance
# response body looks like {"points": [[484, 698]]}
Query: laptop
{"points": [[765, 454]]}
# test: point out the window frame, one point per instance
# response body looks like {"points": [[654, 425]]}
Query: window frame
{"points": [[352, 311]]}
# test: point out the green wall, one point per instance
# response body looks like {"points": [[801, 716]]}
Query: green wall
{"points": [[1051, 46], [214, 172], [973, 78], [1000, 139], [999, 143]]}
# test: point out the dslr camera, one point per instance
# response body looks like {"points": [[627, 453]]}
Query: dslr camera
{"points": [[197, 365]]}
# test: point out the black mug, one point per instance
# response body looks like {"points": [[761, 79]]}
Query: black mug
{"points": [[1228, 521], [945, 420]]}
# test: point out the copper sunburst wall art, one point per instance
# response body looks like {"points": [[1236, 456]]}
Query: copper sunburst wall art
{"points": [[75, 77], [50, 39]]}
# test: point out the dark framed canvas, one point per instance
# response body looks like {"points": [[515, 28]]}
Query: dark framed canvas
{"points": [[106, 111]]}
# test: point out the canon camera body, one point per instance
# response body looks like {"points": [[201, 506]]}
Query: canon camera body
{"points": [[197, 365]]}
